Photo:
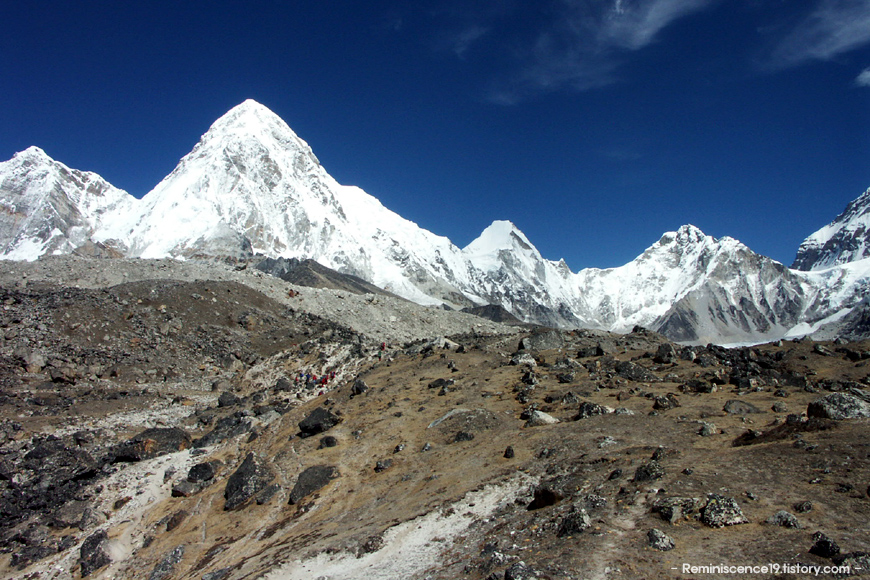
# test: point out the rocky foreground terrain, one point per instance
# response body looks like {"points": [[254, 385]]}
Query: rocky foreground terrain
{"points": [[154, 425]]}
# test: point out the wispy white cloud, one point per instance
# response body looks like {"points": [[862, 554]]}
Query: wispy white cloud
{"points": [[465, 38], [831, 28], [863, 79], [584, 44]]}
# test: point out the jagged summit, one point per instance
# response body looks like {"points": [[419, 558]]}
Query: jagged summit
{"points": [[844, 240], [49, 207]]}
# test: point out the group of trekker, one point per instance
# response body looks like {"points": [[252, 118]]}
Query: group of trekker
{"points": [[311, 380]]}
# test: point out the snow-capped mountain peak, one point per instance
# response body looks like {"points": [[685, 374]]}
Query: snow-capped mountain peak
{"points": [[53, 208], [844, 240], [252, 186]]}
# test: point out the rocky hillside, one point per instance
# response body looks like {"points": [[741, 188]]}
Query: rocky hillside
{"points": [[162, 420]]}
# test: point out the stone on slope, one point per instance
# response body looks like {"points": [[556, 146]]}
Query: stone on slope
{"points": [[311, 480], [839, 406], [252, 476]]}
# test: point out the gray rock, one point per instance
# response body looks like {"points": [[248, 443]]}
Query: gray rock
{"points": [[539, 418], [839, 406], [666, 354], [784, 519], [523, 359], [722, 511], [658, 540]]}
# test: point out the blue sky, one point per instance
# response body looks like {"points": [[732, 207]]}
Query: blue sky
{"points": [[594, 125]]}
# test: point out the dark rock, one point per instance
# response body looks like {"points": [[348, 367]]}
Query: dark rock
{"points": [[824, 546], [803, 507], [784, 519], [588, 409], [738, 407], [658, 540], [202, 472], [328, 441], [165, 568], [463, 436], [635, 372], [839, 406], [574, 522], [228, 399], [311, 480], [185, 489], [672, 509], [318, 421], [94, 553], [722, 511], [666, 354], [649, 471], [857, 562], [697, 386], [225, 428], [441, 383], [267, 494], [666, 403], [383, 465], [153, 443], [252, 476], [779, 407], [509, 452]]}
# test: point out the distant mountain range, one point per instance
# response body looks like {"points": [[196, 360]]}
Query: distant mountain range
{"points": [[252, 188]]}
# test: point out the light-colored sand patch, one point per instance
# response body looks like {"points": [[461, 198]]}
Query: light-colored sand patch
{"points": [[412, 547]]}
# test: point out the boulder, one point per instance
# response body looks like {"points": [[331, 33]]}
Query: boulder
{"points": [[252, 476], [824, 546], [722, 511], [658, 540], [153, 443], [649, 471], [839, 406], [94, 553], [576, 521], [318, 421], [588, 409], [538, 418], [311, 480], [784, 519]]}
